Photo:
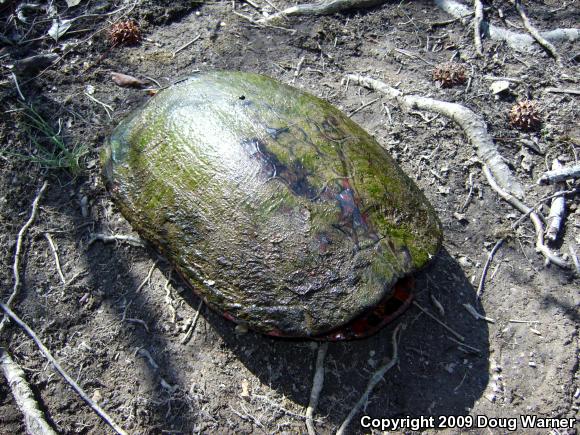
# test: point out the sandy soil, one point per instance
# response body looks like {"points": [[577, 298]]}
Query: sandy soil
{"points": [[222, 381]]}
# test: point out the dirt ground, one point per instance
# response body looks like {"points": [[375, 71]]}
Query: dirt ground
{"points": [[223, 381]]}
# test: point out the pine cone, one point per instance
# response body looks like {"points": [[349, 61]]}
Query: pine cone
{"points": [[450, 74], [525, 115], [124, 32]]}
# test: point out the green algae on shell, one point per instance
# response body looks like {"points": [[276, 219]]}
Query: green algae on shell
{"points": [[279, 210]]}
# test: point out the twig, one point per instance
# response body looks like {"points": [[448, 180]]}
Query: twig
{"points": [[374, 380], [135, 241], [541, 201], [183, 47], [362, 107], [486, 267], [33, 417], [575, 259], [535, 34], [471, 310], [538, 226], [109, 109], [324, 7], [191, 327], [477, 20], [298, 68], [259, 23], [100, 412], [563, 91], [550, 177], [18, 252], [17, 87], [317, 384], [132, 319], [472, 124], [56, 259], [467, 346], [457, 334]]}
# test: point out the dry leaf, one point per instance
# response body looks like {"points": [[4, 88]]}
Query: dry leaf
{"points": [[127, 81]]}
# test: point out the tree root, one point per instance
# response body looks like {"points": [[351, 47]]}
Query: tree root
{"points": [[517, 41], [472, 124], [33, 417], [325, 7], [317, 384], [496, 171], [375, 379], [95, 407]]}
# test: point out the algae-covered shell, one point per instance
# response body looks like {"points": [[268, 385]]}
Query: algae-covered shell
{"points": [[279, 210]]}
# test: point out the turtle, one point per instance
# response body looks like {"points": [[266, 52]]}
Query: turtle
{"points": [[277, 209]]}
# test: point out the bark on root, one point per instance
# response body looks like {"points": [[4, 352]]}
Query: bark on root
{"points": [[472, 124], [518, 41], [33, 417]]}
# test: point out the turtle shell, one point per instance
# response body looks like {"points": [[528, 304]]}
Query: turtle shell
{"points": [[280, 211]]}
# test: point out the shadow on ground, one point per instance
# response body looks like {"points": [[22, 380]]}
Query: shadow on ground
{"points": [[435, 376]]}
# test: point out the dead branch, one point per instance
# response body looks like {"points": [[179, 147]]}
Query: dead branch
{"points": [[191, 327], [375, 379], [563, 174], [115, 238], [472, 124], [563, 91], [317, 384], [33, 417], [425, 311], [536, 221], [18, 252], [56, 258], [325, 7], [477, 20], [486, 267], [100, 412], [557, 209], [517, 41], [534, 32]]}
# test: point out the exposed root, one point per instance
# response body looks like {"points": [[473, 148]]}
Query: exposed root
{"points": [[33, 417], [535, 34], [100, 412], [317, 384], [517, 41], [375, 379], [562, 174], [18, 252], [325, 7], [472, 124]]}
